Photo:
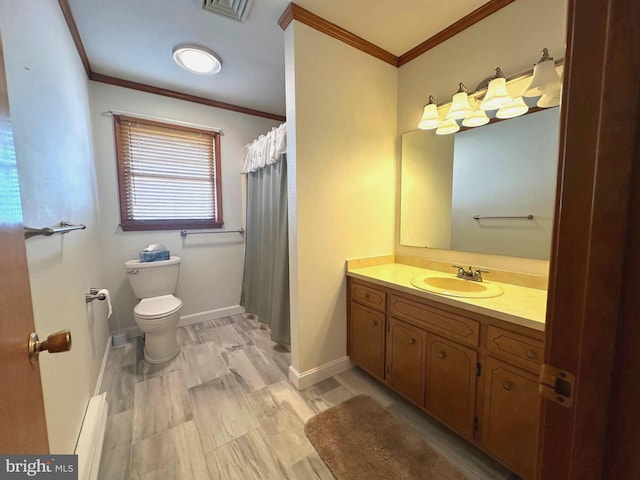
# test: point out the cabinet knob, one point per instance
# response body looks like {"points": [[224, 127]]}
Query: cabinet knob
{"points": [[531, 354], [441, 355], [412, 341], [507, 385], [374, 323], [366, 295]]}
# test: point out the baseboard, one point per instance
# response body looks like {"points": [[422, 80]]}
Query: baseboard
{"points": [[134, 331], [209, 315], [107, 349], [311, 377]]}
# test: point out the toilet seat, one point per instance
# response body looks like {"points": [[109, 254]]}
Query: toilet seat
{"points": [[157, 307]]}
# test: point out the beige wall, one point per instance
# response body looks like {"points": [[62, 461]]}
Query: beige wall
{"points": [[212, 265], [49, 100], [341, 115], [512, 39]]}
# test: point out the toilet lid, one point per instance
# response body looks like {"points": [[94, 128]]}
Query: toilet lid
{"points": [[157, 307]]}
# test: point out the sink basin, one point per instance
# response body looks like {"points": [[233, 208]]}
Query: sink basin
{"points": [[456, 287]]}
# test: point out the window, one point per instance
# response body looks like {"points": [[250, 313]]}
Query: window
{"points": [[169, 175]]}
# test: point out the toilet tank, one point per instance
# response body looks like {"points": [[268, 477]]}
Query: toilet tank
{"points": [[152, 279]]}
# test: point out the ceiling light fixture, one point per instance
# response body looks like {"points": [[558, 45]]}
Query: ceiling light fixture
{"points": [[197, 59]]}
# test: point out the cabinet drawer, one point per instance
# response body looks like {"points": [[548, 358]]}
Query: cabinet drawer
{"points": [[444, 323], [368, 296], [516, 348]]}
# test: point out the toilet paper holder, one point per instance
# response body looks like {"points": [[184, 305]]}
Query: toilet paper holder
{"points": [[94, 295]]}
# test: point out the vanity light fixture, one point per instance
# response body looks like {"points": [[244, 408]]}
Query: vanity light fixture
{"points": [[448, 127], [550, 99], [514, 108], [460, 107], [477, 118], [545, 78], [197, 59], [542, 82], [497, 93], [430, 116]]}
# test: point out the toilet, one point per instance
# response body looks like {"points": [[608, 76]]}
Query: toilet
{"points": [[158, 312]]}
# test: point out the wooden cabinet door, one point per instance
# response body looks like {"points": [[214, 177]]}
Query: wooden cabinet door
{"points": [[406, 359], [451, 383], [366, 339], [511, 410]]}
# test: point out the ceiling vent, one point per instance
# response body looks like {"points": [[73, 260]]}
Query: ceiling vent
{"points": [[236, 9]]}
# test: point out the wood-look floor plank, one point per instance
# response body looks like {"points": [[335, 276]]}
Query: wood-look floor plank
{"points": [[240, 418], [221, 411], [201, 363], [174, 454], [115, 463], [248, 457], [159, 404], [252, 367]]}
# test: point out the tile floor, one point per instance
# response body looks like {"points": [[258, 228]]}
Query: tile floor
{"points": [[224, 409]]}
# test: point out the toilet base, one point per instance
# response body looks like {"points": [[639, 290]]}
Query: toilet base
{"points": [[160, 347]]}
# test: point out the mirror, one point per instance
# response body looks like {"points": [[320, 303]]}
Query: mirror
{"points": [[501, 174]]}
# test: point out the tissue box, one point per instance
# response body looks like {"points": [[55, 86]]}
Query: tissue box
{"points": [[154, 256]]}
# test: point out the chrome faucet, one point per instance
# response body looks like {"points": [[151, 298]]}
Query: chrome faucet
{"points": [[470, 274]]}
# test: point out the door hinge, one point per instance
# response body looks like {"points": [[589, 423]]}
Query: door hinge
{"points": [[476, 423], [478, 369], [557, 385], [388, 369]]}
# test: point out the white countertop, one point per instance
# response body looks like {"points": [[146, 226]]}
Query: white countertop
{"points": [[520, 305]]}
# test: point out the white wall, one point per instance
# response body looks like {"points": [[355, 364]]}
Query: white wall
{"points": [[49, 101], [511, 38], [212, 265], [341, 116]]}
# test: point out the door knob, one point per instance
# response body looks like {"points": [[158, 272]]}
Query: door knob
{"points": [[56, 342]]}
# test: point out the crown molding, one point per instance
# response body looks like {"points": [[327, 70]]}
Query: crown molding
{"points": [[296, 12], [75, 35], [142, 87], [465, 22]]}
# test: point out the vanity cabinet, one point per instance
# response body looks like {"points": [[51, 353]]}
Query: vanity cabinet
{"points": [[512, 401], [406, 359], [476, 374], [451, 384], [366, 339], [510, 422]]}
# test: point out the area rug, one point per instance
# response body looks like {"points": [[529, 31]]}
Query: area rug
{"points": [[360, 440]]}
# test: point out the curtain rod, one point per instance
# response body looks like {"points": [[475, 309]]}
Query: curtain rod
{"points": [[111, 113]]}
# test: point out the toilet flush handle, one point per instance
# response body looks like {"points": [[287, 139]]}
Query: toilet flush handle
{"points": [[132, 272]]}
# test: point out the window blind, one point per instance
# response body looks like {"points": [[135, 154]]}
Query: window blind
{"points": [[169, 175]]}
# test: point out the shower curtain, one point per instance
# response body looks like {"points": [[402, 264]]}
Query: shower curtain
{"points": [[265, 286]]}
